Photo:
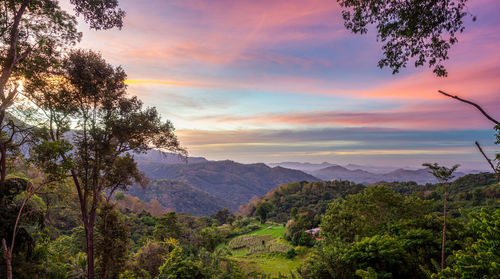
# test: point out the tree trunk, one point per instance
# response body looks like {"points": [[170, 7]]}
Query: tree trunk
{"points": [[7, 254], [90, 252], [3, 166], [444, 228]]}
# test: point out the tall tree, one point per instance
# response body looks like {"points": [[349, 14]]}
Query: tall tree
{"points": [[32, 34], [89, 95], [422, 30], [263, 210], [444, 175]]}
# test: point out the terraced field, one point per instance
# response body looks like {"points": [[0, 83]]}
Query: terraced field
{"points": [[264, 250]]}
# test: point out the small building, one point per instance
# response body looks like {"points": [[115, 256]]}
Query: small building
{"points": [[313, 231]]}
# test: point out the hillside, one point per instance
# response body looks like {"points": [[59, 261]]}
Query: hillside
{"points": [[181, 197], [232, 182]]}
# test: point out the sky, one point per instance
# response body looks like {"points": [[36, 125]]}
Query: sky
{"points": [[274, 81]]}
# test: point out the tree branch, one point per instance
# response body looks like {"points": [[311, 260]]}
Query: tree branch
{"points": [[473, 104], [488, 159]]}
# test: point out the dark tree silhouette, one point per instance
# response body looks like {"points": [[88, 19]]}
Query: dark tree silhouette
{"points": [[420, 30]]}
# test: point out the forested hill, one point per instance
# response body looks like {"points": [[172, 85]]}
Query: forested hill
{"points": [[313, 198], [230, 182]]}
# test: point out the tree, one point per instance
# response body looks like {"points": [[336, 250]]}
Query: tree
{"points": [[296, 231], [86, 93], [263, 210], [211, 238], [167, 227], [151, 256], [113, 242], [176, 266], [224, 216], [420, 30], [17, 215], [366, 213], [443, 174], [423, 30], [32, 34], [481, 259]]}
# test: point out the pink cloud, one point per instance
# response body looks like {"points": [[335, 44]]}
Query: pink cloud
{"points": [[430, 117]]}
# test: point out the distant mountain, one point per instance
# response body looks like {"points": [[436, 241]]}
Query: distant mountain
{"points": [[341, 173], [311, 167], [420, 176], [305, 167], [180, 197], [232, 182], [373, 169]]}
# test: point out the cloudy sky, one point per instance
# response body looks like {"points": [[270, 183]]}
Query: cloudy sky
{"points": [[272, 81]]}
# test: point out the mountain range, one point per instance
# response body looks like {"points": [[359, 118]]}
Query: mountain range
{"points": [[198, 186], [421, 176], [227, 183], [311, 167]]}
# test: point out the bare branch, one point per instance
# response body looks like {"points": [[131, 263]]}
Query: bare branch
{"points": [[489, 161], [473, 104]]}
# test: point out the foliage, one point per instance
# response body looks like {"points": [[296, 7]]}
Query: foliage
{"points": [[296, 231], [263, 210], [224, 216], [211, 238], [442, 173], [31, 219], [420, 30], [151, 256], [167, 227], [480, 259], [112, 242], [369, 212], [303, 197]]}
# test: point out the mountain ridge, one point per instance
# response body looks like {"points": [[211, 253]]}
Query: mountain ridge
{"points": [[233, 182], [421, 176]]}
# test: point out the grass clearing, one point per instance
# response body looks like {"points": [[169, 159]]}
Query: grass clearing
{"points": [[276, 230]]}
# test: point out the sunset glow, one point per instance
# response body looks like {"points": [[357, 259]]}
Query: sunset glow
{"points": [[269, 81]]}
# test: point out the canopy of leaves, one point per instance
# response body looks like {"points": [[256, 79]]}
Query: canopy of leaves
{"points": [[422, 30], [366, 213]]}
